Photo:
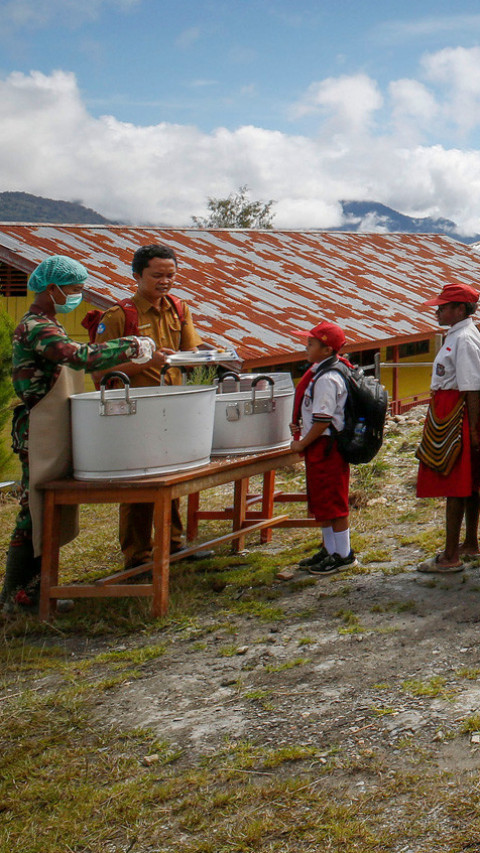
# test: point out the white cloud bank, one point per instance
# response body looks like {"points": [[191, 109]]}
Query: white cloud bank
{"points": [[370, 145]]}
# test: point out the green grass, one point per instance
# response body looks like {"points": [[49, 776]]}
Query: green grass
{"points": [[431, 540], [471, 673], [90, 788], [371, 472], [71, 780], [435, 686], [470, 724], [290, 664], [377, 555]]}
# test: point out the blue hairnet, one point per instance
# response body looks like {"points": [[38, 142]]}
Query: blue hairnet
{"points": [[58, 269]]}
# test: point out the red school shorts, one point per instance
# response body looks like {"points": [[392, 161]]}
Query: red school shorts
{"points": [[328, 478]]}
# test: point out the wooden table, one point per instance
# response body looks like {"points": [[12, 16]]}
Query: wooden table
{"points": [[159, 490]]}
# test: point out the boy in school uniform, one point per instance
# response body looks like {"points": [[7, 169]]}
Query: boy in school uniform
{"points": [[319, 405]]}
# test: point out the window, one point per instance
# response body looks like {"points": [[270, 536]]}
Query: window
{"points": [[408, 350], [12, 282], [364, 358]]}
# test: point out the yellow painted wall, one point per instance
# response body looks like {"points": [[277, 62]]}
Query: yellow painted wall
{"points": [[412, 381], [16, 306]]}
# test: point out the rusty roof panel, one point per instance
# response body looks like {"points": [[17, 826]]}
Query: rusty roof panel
{"points": [[252, 287]]}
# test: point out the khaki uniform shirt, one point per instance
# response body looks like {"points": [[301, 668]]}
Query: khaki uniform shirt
{"points": [[163, 325]]}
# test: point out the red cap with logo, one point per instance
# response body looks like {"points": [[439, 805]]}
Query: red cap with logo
{"points": [[328, 333], [454, 293]]}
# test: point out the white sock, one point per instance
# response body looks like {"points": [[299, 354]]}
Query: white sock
{"points": [[329, 539], [342, 542]]}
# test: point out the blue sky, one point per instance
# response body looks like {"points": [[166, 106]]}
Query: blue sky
{"points": [[144, 108]]}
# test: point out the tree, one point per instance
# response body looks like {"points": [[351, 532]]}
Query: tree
{"points": [[236, 211]]}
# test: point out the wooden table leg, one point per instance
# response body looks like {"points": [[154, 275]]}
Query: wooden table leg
{"points": [[239, 511], [50, 554], [162, 516], [192, 518], [267, 504]]}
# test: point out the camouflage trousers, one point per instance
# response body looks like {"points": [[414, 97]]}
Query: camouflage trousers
{"points": [[23, 523], [22, 569]]}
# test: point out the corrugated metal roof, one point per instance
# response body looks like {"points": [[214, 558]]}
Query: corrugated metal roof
{"points": [[252, 287]]}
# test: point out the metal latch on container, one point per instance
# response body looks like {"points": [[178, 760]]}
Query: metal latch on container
{"points": [[232, 412], [256, 407], [124, 406]]}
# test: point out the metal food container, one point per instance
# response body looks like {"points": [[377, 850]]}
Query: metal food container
{"points": [[252, 413], [138, 432]]}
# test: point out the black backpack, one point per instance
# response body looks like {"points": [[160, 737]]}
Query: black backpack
{"points": [[365, 411]]}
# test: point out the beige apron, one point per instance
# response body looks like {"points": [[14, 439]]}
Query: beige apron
{"points": [[50, 452]]}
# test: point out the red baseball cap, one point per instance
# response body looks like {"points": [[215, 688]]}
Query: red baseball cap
{"points": [[454, 293], [328, 333]]}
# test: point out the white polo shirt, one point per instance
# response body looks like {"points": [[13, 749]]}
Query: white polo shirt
{"points": [[457, 364], [324, 401]]}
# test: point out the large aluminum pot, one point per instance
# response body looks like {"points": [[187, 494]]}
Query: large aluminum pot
{"points": [[252, 413], [138, 432]]}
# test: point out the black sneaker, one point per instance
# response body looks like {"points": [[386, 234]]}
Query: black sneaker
{"points": [[319, 557], [334, 563]]}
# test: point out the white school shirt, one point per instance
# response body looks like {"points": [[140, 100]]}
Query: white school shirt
{"points": [[457, 364], [328, 401]]}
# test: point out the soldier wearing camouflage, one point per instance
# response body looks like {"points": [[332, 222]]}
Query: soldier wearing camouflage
{"points": [[41, 347]]}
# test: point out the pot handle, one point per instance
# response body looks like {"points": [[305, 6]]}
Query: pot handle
{"points": [[166, 367], [231, 375], [255, 382], [114, 374]]}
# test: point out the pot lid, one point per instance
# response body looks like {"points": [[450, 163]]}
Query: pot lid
{"points": [[210, 356]]}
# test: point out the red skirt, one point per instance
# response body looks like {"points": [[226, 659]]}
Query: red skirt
{"points": [[464, 476], [328, 477]]}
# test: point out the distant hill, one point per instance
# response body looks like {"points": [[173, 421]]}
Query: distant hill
{"points": [[357, 216], [372, 216], [23, 207]]}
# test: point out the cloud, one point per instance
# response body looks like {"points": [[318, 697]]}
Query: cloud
{"points": [[400, 30], [456, 71], [413, 109], [51, 145], [203, 83], [34, 14], [350, 101], [188, 37]]}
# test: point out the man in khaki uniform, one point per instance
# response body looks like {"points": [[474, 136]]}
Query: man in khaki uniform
{"points": [[168, 322]]}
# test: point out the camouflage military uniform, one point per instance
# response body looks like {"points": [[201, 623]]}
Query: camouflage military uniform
{"points": [[41, 347]]}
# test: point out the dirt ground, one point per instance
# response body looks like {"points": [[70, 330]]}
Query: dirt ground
{"points": [[364, 658], [378, 665], [399, 636]]}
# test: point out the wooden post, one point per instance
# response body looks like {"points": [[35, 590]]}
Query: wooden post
{"points": [[267, 504], [50, 554], [395, 395], [193, 504], [239, 511], [162, 514]]}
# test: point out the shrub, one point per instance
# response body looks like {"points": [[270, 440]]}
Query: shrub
{"points": [[6, 387]]}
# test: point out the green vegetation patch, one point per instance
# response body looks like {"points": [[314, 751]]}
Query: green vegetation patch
{"points": [[435, 686]]}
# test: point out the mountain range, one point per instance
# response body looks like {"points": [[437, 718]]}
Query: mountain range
{"points": [[362, 216], [24, 207]]}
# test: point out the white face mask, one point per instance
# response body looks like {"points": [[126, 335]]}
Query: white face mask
{"points": [[72, 301]]}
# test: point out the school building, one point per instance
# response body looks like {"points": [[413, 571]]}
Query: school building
{"points": [[251, 288]]}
